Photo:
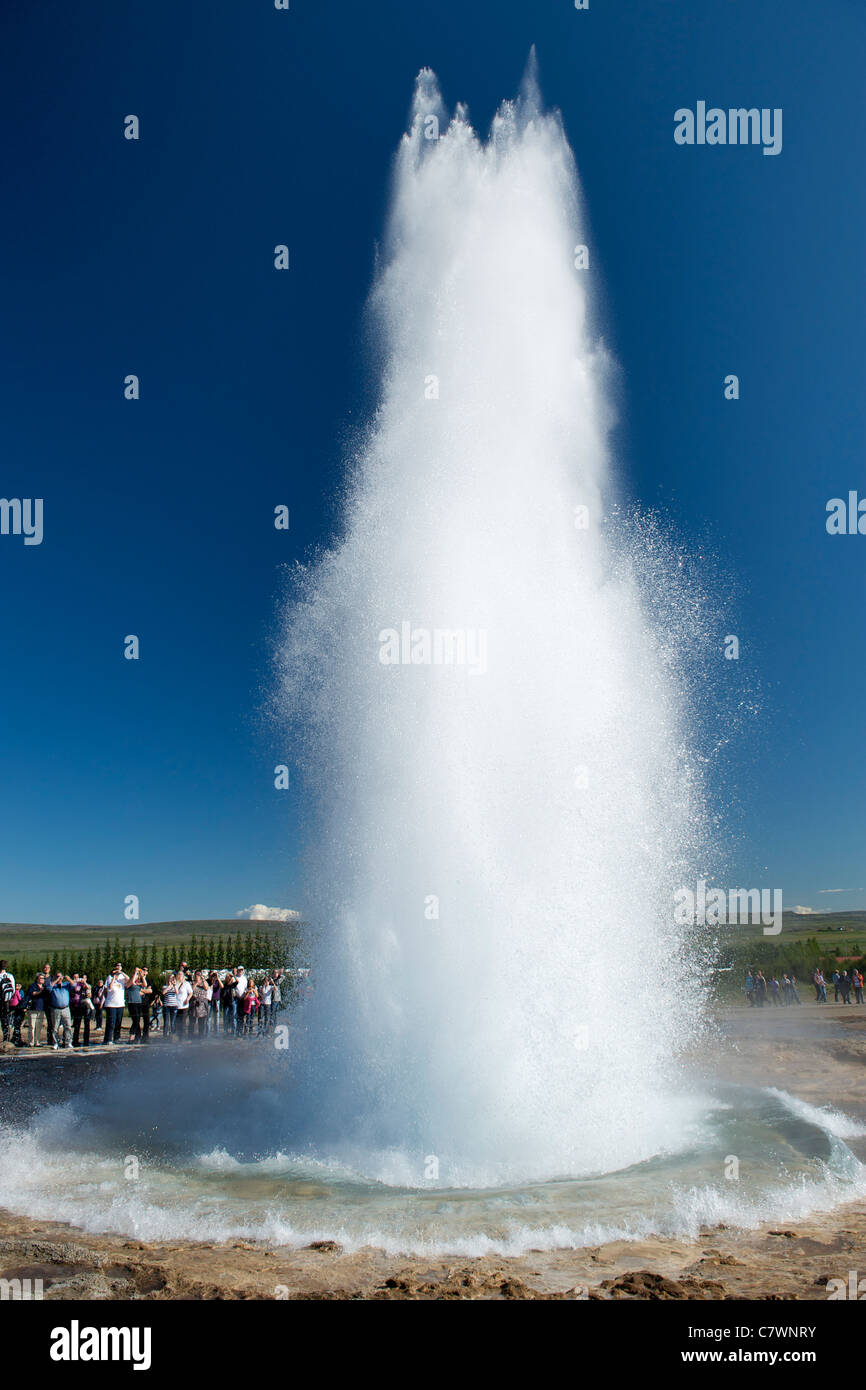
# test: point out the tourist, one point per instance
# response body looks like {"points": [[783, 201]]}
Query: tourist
{"points": [[147, 993], [18, 1011], [266, 1003], [115, 998], [200, 1005], [249, 1005], [7, 989], [214, 993], [98, 1004], [229, 1003], [183, 990], [240, 994], [169, 1008], [776, 992], [750, 987], [138, 1002], [48, 976], [836, 979], [81, 1008], [845, 987], [61, 1018], [857, 978], [760, 989], [35, 1000]]}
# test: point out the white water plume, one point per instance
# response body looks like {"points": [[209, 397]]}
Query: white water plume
{"points": [[496, 840]]}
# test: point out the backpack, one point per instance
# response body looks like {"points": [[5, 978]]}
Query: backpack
{"points": [[7, 988]]}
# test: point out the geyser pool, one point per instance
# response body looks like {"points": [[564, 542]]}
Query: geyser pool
{"points": [[212, 1172]]}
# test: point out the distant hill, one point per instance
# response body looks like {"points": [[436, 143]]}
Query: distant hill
{"points": [[800, 925], [854, 918]]}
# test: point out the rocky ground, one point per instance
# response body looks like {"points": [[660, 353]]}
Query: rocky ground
{"points": [[815, 1052]]}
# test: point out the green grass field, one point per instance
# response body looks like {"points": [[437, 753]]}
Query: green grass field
{"points": [[830, 929], [31, 939]]}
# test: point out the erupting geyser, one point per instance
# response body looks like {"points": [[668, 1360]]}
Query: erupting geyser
{"points": [[499, 720], [490, 709]]}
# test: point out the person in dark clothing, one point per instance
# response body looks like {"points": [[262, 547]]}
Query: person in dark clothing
{"points": [[214, 987], [7, 990], [49, 1012], [138, 1002], [81, 1009], [98, 1004], [35, 1002], [229, 1004]]}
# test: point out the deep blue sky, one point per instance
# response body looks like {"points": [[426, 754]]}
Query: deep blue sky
{"points": [[156, 257]]}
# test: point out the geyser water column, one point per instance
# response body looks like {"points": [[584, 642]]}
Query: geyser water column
{"points": [[496, 839]]}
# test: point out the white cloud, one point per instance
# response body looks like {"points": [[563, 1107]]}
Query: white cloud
{"points": [[834, 890], [804, 911], [259, 913]]}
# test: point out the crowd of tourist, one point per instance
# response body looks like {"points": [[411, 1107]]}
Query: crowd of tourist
{"points": [[759, 990], [183, 1004], [844, 985]]}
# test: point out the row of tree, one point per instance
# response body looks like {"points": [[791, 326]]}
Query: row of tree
{"points": [[259, 950]]}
